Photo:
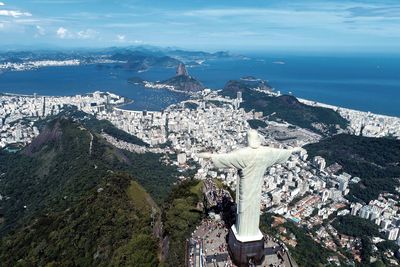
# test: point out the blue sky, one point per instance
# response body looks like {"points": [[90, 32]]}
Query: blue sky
{"points": [[259, 25]]}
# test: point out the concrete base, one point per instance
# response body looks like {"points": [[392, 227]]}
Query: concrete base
{"points": [[244, 252]]}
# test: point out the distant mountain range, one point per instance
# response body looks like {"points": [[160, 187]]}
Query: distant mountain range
{"points": [[140, 61], [139, 58]]}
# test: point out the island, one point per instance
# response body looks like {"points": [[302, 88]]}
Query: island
{"points": [[182, 82]]}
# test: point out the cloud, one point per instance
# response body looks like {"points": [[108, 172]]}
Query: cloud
{"points": [[121, 38], [130, 25], [87, 34], [255, 23], [62, 33], [14, 13], [234, 12], [2, 4], [40, 31]]}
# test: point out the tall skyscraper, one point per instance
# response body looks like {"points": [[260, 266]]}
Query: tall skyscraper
{"points": [[239, 96], [392, 233], [365, 212], [44, 107], [343, 184]]}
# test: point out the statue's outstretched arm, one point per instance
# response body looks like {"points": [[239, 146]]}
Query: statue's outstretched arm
{"points": [[226, 160], [298, 149], [205, 155], [229, 160], [282, 155]]}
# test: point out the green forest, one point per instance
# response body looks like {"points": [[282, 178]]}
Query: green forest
{"points": [[69, 205], [365, 229], [180, 217]]}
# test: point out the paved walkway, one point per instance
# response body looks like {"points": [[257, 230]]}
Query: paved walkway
{"points": [[208, 248], [210, 237]]}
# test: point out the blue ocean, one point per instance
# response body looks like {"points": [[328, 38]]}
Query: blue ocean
{"points": [[362, 82]]}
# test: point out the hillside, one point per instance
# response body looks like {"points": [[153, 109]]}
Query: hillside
{"points": [[306, 252], [180, 217], [374, 160], [141, 61], [183, 82], [105, 226], [70, 203], [284, 107]]}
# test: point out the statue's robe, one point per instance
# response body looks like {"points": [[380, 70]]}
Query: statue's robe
{"points": [[251, 164]]}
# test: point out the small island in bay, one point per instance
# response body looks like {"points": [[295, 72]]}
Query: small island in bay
{"points": [[182, 82]]}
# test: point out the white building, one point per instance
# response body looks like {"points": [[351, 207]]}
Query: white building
{"points": [[319, 162], [356, 207], [181, 158], [392, 233], [365, 212]]}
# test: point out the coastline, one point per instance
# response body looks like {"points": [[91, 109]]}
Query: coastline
{"points": [[337, 108], [161, 86], [360, 123], [363, 122], [302, 100]]}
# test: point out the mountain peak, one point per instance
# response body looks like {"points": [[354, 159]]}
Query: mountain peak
{"points": [[181, 70]]}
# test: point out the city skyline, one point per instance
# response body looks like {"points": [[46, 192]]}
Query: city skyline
{"points": [[363, 26]]}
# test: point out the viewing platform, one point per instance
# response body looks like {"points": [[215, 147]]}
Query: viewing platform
{"points": [[208, 245]]}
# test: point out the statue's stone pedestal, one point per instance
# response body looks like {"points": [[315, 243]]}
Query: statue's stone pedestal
{"points": [[245, 249]]}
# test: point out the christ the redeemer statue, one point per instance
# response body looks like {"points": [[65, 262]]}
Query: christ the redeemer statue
{"points": [[251, 162]]}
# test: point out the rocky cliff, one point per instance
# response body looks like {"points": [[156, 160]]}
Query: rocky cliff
{"points": [[183, 81]]}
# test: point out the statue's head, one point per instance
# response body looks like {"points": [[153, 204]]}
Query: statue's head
{"points": [[253, 139]]}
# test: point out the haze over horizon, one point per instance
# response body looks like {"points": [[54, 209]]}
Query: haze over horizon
{"points": [[350, 25]]}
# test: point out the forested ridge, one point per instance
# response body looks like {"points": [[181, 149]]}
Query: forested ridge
{"points": [[68, 205], [285, 107]]}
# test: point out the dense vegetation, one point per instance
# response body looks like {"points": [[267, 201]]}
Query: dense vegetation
{"points": [[307, 252], [286, 108], [69, 205], [51, 173], [184, 83], [137, 60], [355, 226], [180, 218], [374, 160], [255, 124], [358, 227], [104, 227], [92, 123], [107, 127], [191, 105]]}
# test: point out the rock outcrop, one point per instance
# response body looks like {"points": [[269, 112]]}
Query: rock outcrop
{"points": [[183, 81], [181, 70]]}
